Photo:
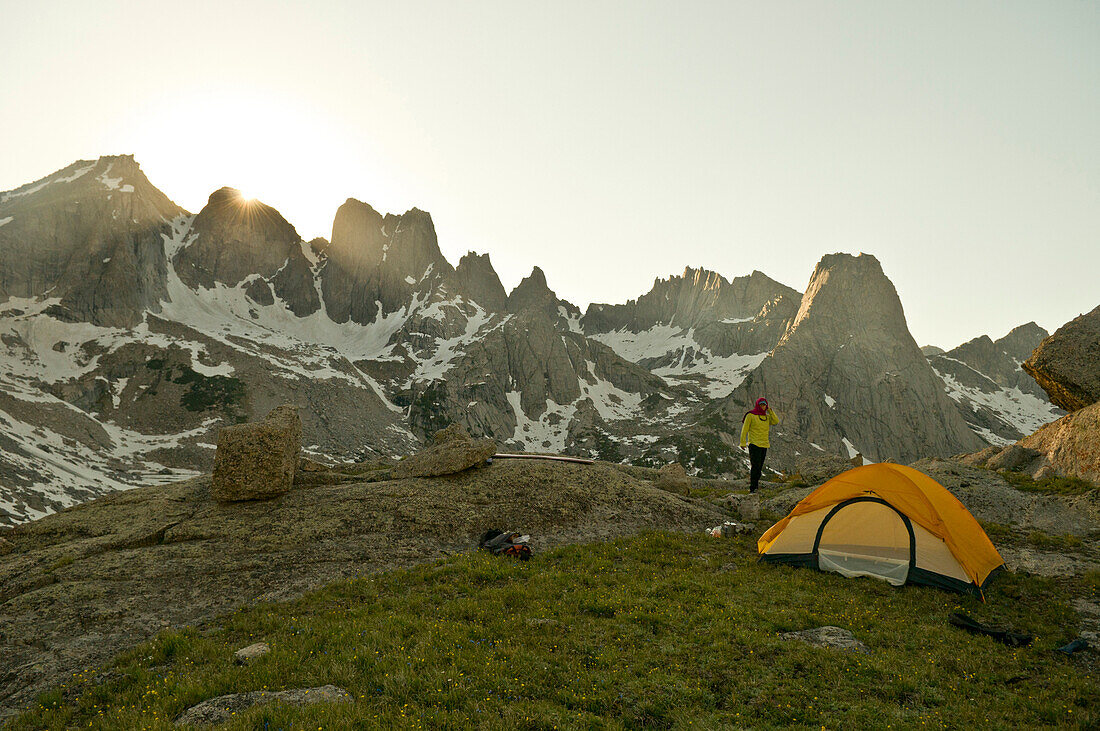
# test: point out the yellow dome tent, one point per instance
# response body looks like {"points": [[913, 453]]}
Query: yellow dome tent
{"points": [[887, 521]]}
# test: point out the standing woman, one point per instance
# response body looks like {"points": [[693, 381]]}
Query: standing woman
{"points": [[754, 433]]}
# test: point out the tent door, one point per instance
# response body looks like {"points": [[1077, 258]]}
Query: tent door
{"points": [[866, 537]]}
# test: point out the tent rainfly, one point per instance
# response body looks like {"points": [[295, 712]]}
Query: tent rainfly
{"points": [[890, 522]]}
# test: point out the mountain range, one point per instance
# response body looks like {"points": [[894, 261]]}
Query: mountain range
{"points": [[131, 330]]}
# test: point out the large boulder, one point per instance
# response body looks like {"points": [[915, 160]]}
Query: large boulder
{"points": [[452, 450], [674, 478], [1067, 364], [1071, 444], [257, 461]]}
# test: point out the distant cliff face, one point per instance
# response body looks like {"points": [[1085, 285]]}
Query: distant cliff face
{"points": [[89, 235], [696, 297], [131, 331], [995, 395], [847, 375]]}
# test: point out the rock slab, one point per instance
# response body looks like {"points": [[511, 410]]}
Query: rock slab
{"points": [[221, 709], [836, 638], [452, 450], [1067, 364], [257, 461]]}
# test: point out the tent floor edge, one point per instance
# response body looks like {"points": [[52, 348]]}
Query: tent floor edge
{"points": [[925, 577], [801, 560]]}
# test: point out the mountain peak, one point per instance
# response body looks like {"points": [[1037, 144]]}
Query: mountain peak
{"points": [[477, 279], [236, 238], [532, 293]]}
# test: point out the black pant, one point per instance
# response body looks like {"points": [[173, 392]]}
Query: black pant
{"points": [[756, 459]]}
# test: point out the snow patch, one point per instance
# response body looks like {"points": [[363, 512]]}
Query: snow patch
{"points": [[108, 182], [546, 434], [6, 220], [1023, 411], [830, 401], [852, 451], [19, 193], [612, 403], [721, 374]]}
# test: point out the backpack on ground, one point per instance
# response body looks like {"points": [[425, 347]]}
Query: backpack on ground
{"points": [[506, 543]]}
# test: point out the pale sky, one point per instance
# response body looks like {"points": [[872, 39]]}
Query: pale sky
{"points": [[613, 142]]}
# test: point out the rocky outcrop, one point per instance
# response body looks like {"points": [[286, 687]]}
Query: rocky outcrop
{"points": [[847, 375], [476, 279], [221, 709], [1067, 364], [452, 450], [257, 461], [92, 235], [1072, 444]]}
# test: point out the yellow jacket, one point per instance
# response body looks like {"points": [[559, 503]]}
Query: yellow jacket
{"points": [[755, 428]]}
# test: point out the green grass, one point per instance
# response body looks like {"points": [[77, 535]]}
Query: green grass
{"points": [[655, 631], [1049, 485], [1064, 542]]}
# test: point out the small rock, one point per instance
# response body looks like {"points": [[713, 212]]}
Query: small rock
{"points": [[246, 655], [828, 636], [452, 450], [221, 709], [542, 622], [674, 478], [6, 546], [257, 461]]}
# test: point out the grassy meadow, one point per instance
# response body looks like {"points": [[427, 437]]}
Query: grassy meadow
{"points": [[654, 631]]}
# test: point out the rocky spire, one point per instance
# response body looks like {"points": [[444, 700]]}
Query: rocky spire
{"points": [[476, 278], [533, 294], [1022, 340], [374, 259], [848, 376], [90, 234], [696, 297]]}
